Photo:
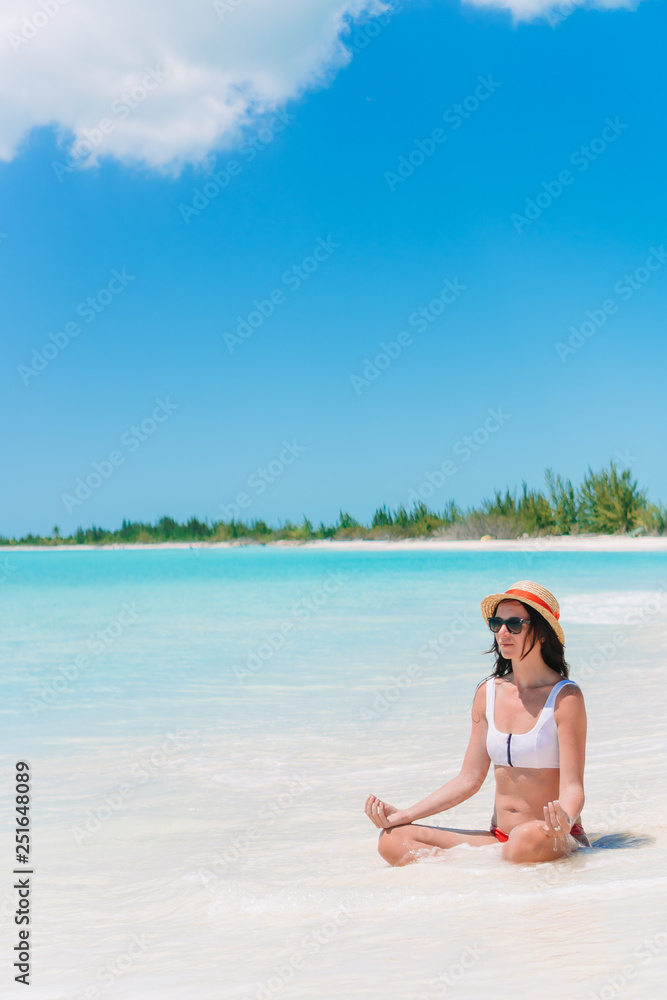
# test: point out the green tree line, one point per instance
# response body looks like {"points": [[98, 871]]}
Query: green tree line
{"points": [[607, 502]]}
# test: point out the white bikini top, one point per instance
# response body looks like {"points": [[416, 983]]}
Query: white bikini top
{"points": [[537, 748]]}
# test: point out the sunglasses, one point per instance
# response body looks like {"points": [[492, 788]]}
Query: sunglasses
{"points": [[514, 625]]}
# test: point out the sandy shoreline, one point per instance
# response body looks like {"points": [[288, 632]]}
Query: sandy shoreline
{"points": [[556, 543]]}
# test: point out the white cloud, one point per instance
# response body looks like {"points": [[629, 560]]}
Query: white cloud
{"points": [[216, 66], [165, 82], [554, 10]]}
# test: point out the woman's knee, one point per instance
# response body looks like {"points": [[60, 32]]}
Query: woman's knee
{"points": [[392, 846], [526, 843]]}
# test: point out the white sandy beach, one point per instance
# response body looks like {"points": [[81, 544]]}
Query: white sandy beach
{"points": [[552, 543]]}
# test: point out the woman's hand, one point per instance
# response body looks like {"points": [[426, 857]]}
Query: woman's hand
{"points": [[383, 815], [557, 823]]}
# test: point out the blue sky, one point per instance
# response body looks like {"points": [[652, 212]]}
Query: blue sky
{"points": [[540, 200]]}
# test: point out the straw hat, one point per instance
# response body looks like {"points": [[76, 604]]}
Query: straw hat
{"points": [[532, 594]]}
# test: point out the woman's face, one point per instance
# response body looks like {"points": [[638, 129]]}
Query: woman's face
{"points": [[512, 646]]}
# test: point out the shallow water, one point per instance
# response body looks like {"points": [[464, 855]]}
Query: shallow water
{"points": [[199, 776]]}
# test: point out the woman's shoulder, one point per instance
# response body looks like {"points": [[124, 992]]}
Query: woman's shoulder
{"points": [[567, 684], [479, 701], [568, 694], [480, 690]]}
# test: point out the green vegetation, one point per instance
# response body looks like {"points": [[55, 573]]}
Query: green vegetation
{"points": [[607, 502]]}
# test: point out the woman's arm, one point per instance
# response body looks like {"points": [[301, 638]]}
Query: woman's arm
{"points": [[469, 780], [570, 717]]}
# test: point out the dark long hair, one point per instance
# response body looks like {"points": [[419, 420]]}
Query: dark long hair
{"points": [[553, 652]]}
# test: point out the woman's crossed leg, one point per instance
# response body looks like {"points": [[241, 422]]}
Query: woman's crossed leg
{"points": [[527, 843]]}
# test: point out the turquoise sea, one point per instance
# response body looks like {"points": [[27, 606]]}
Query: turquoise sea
{"points": [[203, 726]]}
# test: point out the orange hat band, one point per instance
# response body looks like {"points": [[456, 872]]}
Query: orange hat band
{"points": [[536, 599]]}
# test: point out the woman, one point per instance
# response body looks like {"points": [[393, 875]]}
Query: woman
{"points": [[527, 719]]}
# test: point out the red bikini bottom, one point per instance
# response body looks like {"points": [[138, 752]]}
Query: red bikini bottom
{"points": [[576, 831]]}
